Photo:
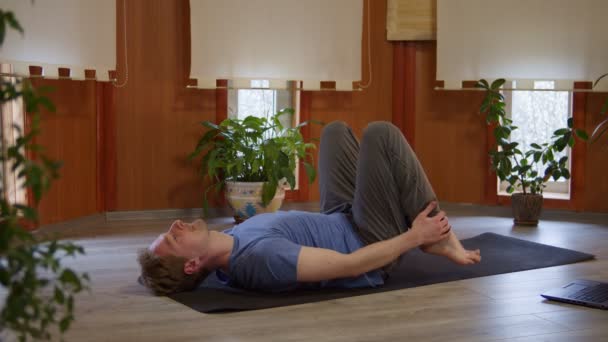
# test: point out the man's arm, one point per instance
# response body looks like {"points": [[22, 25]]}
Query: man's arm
{"points": [[318, 264]]}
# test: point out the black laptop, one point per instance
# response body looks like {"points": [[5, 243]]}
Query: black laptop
{"points": [[582, 292]]}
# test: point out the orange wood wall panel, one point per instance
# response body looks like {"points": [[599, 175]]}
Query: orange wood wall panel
{"points": [[157, 117], [450, 134], [106, 147], [404, 89], [596, 164], [328, 106], [69, 135], [375, 102]]}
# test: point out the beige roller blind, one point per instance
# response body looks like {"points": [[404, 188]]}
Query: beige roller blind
{"points": [[75, 34], [523, 40], [411, 20], [276, 40]]}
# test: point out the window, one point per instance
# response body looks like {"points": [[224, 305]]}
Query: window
{"points": [[263, 102], [259, 102], [11, 118], [537, 114]]}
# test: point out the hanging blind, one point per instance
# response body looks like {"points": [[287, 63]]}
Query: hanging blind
{"points": [[411, 20], [523, 40], [276, 40], [74, 34]]}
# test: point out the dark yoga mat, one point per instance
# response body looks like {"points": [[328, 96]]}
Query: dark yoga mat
{"points": [[500, 254]]}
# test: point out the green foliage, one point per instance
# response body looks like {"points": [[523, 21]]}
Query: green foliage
{"points": [[7, 18], [254, 150], [509, 162], [40, 291]]}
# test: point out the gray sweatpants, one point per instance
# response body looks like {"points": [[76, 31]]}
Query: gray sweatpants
{"points": [[381, 179]]}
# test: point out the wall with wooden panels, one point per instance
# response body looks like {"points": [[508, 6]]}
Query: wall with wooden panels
{"points": [[450, 134], [156, 121], [596, 164], [375, 102], [451, 142], [330, 106], [156, 115], [70, 135]]}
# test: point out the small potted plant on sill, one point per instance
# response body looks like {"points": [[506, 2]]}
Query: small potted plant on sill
{"points": [[519, 168], [254, 159]]}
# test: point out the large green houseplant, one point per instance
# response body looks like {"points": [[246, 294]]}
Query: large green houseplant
{"points": [[38, 291], [519, 168], [253, 150]]}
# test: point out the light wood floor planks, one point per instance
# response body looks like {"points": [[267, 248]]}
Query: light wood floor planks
{"points": [[497, 308]]}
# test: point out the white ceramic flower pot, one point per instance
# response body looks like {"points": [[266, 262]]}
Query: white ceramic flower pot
{"points": [[245, 199]]}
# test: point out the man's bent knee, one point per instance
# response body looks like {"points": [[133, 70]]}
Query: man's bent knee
{"points": [[335, 128], [335, 132], [381, 131]]}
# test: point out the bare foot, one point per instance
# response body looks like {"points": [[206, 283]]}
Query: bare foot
{"points": [[452, 249]]}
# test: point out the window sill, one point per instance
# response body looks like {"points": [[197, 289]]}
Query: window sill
{"points": [[548, 195]]}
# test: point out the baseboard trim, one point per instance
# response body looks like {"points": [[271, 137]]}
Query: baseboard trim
{"points": [[66, 227], [75, 225], [165, 214]]}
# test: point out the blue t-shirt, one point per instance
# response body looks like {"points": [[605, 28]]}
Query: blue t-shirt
{"points": [[267, 247]]}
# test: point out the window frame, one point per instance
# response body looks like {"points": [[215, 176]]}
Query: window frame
{"points": [[295, 103], [554, 189]]}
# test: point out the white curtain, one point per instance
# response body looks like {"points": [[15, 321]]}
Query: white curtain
{"points": [[523, 40], [276, 40], [75, 34]]}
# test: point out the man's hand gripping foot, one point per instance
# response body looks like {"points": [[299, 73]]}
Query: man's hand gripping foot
{"points": [[436, 237]]}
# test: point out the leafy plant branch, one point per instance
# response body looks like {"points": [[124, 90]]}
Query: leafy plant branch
{"points": [[519, 169], [40, 290]]}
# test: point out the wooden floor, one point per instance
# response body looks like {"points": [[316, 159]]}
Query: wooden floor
{"points": [[496, 308]]}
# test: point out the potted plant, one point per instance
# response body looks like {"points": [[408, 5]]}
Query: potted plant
{"points": [[254, 159], [519, 168]]}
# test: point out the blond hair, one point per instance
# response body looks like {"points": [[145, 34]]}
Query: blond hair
{"points": [[165, 275]]}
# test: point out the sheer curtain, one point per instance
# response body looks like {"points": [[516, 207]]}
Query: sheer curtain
{"points": [[12, 118]]}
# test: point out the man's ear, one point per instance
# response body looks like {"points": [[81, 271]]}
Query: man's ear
{"points": [[192, 266]]}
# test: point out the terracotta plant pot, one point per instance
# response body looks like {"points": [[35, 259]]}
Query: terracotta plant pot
{"points": [[526, 208], [245, 199]]}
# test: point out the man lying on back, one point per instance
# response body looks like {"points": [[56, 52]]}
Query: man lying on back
{"points": [[376, 204]]}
